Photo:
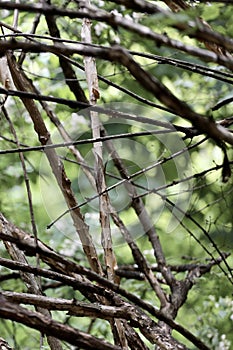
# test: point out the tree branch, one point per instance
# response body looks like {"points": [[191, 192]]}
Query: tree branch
{"points": [[36, 320]]}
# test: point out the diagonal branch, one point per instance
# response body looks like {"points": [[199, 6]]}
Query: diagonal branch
{"points": [[23, 83], [114, 21], [150, 83]]}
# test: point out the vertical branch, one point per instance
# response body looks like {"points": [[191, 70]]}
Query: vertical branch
{"points": [[16, 15], [104, 203], [92, 81], [69, 73]]}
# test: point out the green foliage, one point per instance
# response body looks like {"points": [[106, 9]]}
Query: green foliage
{"points": [[217, 314]]}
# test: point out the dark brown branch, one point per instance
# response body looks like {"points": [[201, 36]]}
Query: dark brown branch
{"points": [[71, 79], [150, 83], [222, 103], [115, 21], [203, 33], [140, 6], [9, 276], [193, 67], [161, 59], [134, 341], [67, 267], [73, 307], [36, 320]]}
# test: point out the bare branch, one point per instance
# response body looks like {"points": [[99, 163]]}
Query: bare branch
{"points": [[47, 326]]}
